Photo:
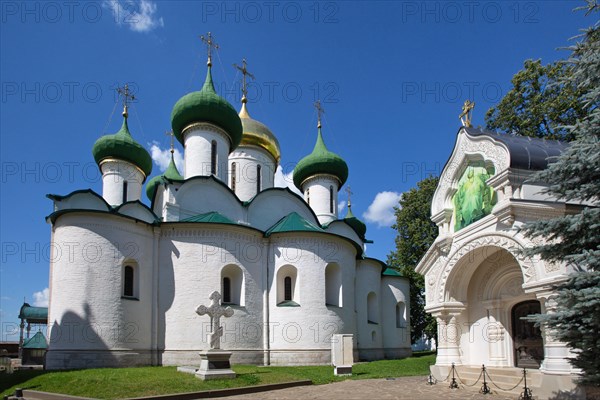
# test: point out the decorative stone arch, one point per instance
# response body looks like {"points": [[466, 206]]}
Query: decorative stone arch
{"points": [[458, 262], [467, 149]]}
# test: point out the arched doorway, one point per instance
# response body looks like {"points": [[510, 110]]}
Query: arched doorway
{"points": [[527, 338]]}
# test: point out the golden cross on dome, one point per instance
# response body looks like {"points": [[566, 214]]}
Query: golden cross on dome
{"points": [[244, 72], [210, 43], [170, 133], [350, 193], [465, 116], [127, 96], [320, 111]]}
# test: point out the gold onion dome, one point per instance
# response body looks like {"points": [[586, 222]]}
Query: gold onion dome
{"points": [[122, 146], [258, 134], [206, 106]]}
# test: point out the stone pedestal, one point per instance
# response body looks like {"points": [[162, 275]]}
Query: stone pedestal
{"points": [[342, 354], [214, 364]]}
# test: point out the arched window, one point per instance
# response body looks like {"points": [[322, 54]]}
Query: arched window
{"points": [[226, 290], [333, 285], [287, 286], [233, 176], [213, 157], [124, 191], [232, 285], [372, 309], [401, 315], [287, 283], [308, 196], [331, 199], [128, 281], [258, 178]]}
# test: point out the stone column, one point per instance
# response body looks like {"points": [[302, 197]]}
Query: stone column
{"points": [[448, 350], [494, 334], [556, 353]]}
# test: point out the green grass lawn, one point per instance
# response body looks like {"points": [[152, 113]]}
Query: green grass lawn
{"points": [[114, 383]]}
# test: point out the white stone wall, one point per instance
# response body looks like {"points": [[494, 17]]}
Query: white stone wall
{"points": [[396, 331], [191, 260], [302, 335], [114, 173], [87, 311], [317, 194], [198, 148], [247, 158], [370, 335]]}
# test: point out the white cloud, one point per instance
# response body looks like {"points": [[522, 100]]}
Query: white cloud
{"points": [[162, 158], [138, 15], [285, 180], [381, 210], [40, 299], [341, 206]]}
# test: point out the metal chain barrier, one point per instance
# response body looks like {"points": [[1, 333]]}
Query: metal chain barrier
{"points": [[485, 389]]}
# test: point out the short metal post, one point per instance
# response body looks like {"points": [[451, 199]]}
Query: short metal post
{"points": [[453, 384], [526, 395], [485, 389]]}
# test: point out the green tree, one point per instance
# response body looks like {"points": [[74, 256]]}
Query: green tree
{"points": [[541, 103], [416, 233], [575, 238]]}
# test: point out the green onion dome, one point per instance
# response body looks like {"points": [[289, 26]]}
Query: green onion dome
{"points": [[359, 227], [320, 161], [206, 106], [257, 134], [122, 146], [171, 173]]}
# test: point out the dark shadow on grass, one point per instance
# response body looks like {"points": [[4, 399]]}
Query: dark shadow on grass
{"points": [[17, 378], [422, 354]]}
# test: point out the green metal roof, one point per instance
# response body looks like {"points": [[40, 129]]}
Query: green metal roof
{"points": [[293, 222], [320, 161], [170, 173], [37, 341], [122, 146], [206, 106], [211, 217], [391, 272], [33, 313], [288, 303], [359, 227]]}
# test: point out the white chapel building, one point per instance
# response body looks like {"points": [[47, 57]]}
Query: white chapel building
{"points": [[479, 284], [294, 271]]}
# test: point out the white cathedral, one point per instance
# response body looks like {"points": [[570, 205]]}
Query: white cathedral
{"points": [[292, 270]]}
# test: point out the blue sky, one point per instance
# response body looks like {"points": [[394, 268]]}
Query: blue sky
{"points": [[392, 77]]}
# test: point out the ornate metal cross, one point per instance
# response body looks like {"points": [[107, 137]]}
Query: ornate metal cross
{"points": [[127, 97], [465, 116], [210, 43], [244, 72], [350, 193], [320, 111], [172, 135], [215, 311]]}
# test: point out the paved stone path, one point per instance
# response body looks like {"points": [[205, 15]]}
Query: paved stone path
{"points": [[409, 388]]}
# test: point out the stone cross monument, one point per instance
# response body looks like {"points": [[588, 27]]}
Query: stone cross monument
{"points": [[215, 311], [214, 363]]}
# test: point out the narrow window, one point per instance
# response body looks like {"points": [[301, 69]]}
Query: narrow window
{"points": [[287, 284], [226, 290], [124, 191], [308, 196], [213, 157], [258, 168], [128, 281], [331, 199], [233, 177]]}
